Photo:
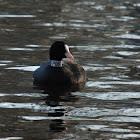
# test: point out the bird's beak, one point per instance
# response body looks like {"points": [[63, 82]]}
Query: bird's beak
{"points": [[68, 54]]}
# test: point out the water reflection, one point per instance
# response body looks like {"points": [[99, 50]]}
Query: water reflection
{"points": [[104, 38], [19, 49], [24, 68], [128, 36], [58, 94], [17, 16], [12, 138], [58, 124]]}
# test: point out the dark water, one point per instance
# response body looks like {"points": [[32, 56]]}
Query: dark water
{"points": [[104, 37]]}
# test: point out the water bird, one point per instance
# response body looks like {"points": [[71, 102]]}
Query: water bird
{"points": [[60, 69]]}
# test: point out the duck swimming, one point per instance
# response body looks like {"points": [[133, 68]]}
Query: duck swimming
{"points": [[60, 69]]}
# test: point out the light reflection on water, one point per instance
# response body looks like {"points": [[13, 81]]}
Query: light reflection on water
{"points": [[137, 4], [17, 16], [110, 83], [12, 138], [3, 64], [127, 53], [73, 25], [128, 36], [111, 95], [24, 68], [104, 38], [32, 106], [85, 3], [123, 18], [20, 49]]}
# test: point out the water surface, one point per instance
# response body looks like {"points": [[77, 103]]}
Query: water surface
{"points": [[103, 37]]}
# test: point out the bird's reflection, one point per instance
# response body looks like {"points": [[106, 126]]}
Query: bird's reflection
{"points": [[58, 125], [58, 95]]}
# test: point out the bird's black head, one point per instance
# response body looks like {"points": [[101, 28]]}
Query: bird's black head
{"points": [[57, 51], [60, 50]]}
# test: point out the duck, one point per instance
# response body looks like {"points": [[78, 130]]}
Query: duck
{"points": [[60, 69]]}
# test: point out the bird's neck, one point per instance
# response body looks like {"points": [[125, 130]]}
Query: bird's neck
{"points": [[56, 63]]}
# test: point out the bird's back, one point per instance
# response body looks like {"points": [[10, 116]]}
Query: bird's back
{"points": [[69, 73]]}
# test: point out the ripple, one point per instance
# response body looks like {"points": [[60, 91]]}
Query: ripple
{"points": [[112, 96], [120, 7], [97, 20], [104, 47], [106, 114], [91, 127], [55, 24], [104, 128], [58, 37], [25, 68], [91, 47], [128, 136], [76, 20], [20, 49], [35, 118], [85, 3], [88, 112], [17, 16], [127, 36], [112, 57], [98, 84], [87, 25], [120, 46], [4, 94], [111, 78], [99, 7], [32, 45], [12, 138], [23, 94], [4, 62], [32, 106], [127, 53], [105, 84], [128, 46], [121, 119], [137, 4], [123, 18], [8, 30], [89, 68], [19, 105]]}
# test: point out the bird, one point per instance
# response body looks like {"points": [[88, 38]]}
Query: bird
{"points": [[60, 69]]}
